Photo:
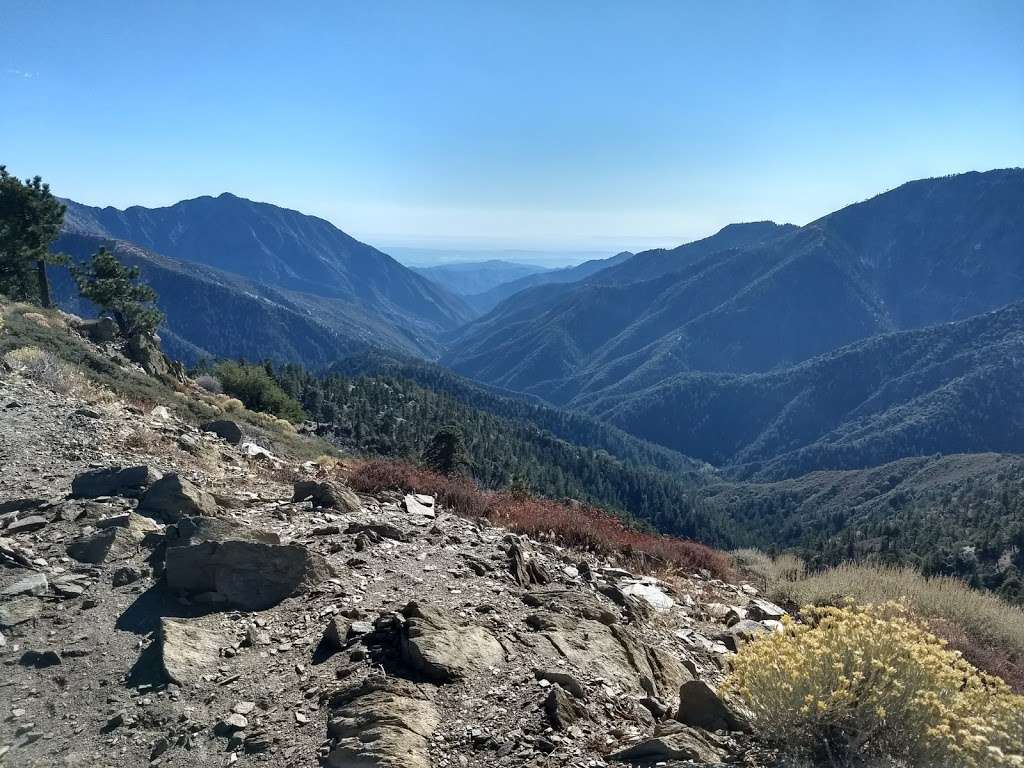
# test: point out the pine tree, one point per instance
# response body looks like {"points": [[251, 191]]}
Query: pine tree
{"points": [[446, 452], [30, 220], [116, 290]]}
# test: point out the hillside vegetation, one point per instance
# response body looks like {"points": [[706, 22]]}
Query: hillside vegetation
{"points": [[951, 388], [928, 252]]}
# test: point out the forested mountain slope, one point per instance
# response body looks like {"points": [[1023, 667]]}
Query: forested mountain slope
{"points": [[961, 515], [944, 389], [215, 314], [281, 248], [392, 416], [927, 252], [573, 426]]}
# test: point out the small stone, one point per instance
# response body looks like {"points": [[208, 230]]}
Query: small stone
{"points": [[125, 575], [244, 707], [230, 724]]}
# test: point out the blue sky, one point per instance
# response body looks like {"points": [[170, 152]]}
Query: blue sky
{"points": [[538, 125]]}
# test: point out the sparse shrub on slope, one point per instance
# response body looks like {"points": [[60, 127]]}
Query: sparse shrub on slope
{"points": [[988, 630], [766, 570], [257, 389], [51, 372], [572, 524], [209, 383], [867, 686]]}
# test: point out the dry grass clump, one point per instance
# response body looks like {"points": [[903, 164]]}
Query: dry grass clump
{"points": [[210, 383], [231, 405], [51, 372], [765, 570], [987, 629], [868, 686], [570, 524]]}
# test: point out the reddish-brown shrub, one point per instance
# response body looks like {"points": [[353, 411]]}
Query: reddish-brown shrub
{"points": [[569, 523]]}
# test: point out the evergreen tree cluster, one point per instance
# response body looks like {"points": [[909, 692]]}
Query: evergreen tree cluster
{"points": [[398, 418]]}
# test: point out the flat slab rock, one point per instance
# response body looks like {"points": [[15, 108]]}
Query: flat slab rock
{"points": [[113, 481], [442, 650], [675, 741], [419, 504], [113, 543], [247, 575], [612, 652], [188, 651], [384, 722]]}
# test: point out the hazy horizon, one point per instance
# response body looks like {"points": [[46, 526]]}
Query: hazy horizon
{"points": [[563, 129]]}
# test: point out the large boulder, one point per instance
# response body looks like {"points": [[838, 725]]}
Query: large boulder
{"points": [[441, 650], [113, 481], [612, 652], [382, 722], [247, 575], [700, 706], [196, 530], [226, 429], [327, 494], [188, 651], [172, 497], [113, 543], [102, 330]]}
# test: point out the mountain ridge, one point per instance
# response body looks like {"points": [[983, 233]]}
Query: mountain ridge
{"points": [[906, 258], [278, 247]]}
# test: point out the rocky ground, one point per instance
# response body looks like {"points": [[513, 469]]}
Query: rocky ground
{"points": [[172, 597]]}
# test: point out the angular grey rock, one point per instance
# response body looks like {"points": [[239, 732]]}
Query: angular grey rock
{"points": [[132, 521], [526, 570], [39, 659], [230, 724], [113, 481], [105, 544], [33, 584], [18, 611], [676, 742], [614, 653], [247, 575], [20, 505], [101, 330], [764, 610], [27, 524], [562, 709], [441, 650], [564, 679], [327, 494], [226, 429], [419, 504], [382, 723], [196, 530], [336, 633], [701, 707], [126, 575], [741, 633], [188, 651], [380, 530], [173, 497]]}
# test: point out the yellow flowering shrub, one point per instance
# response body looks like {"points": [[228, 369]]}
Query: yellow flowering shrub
{"points": [[868, 686]]}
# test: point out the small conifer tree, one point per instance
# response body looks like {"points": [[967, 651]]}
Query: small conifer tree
{"points": [[116, 290]]}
